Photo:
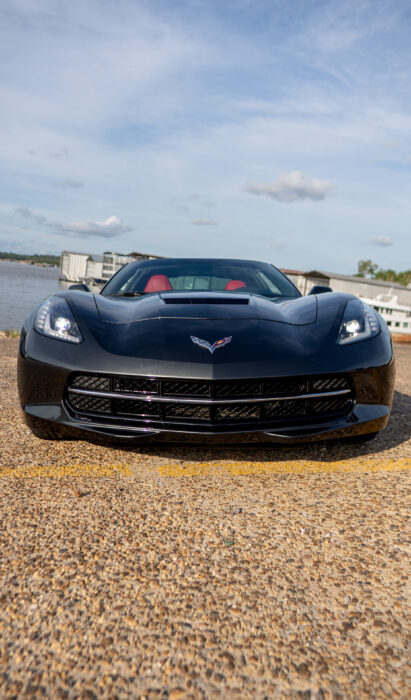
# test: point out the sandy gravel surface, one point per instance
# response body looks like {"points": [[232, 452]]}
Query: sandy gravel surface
{"points": [[181, 572]]}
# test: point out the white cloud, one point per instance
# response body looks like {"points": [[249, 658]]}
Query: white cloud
{"points": [[380, 240], [204, 222], [111, 227], [292, 187]]}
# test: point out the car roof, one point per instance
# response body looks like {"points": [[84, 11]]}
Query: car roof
{"points": [[226, 260]]}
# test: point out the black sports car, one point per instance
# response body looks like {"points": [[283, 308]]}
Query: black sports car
{"points": [[205, 349]]}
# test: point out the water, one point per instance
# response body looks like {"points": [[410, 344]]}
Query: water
{"points": [[22, 287]]}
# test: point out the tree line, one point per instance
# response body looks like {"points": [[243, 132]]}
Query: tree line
{"points": [[40, 259], [366, 268]]}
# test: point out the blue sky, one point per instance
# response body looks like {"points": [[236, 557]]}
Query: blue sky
{"points": [[266, 129]]}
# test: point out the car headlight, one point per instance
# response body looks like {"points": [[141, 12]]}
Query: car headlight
{"points": [[360, 322], [55, 319]]}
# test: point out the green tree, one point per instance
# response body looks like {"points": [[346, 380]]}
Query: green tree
{"points": [[392, 276], [366, 268]]}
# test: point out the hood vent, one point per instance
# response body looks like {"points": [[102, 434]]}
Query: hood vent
{"points": [[244, 301]]}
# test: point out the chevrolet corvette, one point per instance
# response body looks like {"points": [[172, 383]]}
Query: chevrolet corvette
{"points": [[208, 350]]}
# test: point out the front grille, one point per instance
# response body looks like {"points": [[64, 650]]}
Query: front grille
{"points": [[124, 407], [329, 383], [238, 412], [285, 409], [331, 405], [134, 385], [289, 387], [225, 390], [88, 382], [180, 387], [179, 403], [187, 410], [90, 404]]}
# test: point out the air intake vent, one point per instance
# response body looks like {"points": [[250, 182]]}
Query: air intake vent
{"points": [[244, 301], [204, 405]]}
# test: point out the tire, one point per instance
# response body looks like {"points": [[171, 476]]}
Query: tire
{"points": [[43, 429]]}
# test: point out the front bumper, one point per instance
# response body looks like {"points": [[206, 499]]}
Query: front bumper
{"points": [[43, 395]]}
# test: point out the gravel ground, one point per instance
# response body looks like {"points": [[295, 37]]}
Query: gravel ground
{"points": [[194, 572]]}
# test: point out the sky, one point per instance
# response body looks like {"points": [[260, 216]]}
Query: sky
{"points": [[276, 130]]}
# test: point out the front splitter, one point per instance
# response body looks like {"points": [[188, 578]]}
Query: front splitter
{"points": [[365, 418]]}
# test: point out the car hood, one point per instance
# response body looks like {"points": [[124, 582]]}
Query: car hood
{"points": [[148, 336], [202, 305], [154, 334]]}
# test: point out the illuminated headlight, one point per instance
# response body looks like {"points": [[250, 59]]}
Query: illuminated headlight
{"points": [[55, 319], [360, 322]]}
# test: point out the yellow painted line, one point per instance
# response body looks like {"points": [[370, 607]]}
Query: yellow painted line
{"points": [[283, 467], [217, 467], [53, 472]]}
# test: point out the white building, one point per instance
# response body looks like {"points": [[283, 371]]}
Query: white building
{"points": [[94, 269], [114, 261], [78, 267], [73, 266], [83, 267]]}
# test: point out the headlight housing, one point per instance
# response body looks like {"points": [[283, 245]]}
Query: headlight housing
{"points": [[55, 319], [360, 322]]}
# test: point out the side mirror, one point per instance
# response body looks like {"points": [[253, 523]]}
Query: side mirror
{"points": [[319, 289], [80, 287]]}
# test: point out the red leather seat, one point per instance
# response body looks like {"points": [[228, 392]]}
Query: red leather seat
{"points": [[234, 284], [158, 283]]}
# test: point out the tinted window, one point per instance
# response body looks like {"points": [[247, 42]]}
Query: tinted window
{"points": [[231, 276]]}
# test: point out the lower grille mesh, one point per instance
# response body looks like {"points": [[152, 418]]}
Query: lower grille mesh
{"points": [[331, 405], [87, 382], [125, 407], [195, 410], [228, 389], [183, 410], [329, 383], [137, 385], [90, 404], [238, 412], [178, 387], [285, 409]]}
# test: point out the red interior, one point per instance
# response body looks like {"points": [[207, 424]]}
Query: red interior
{"points": [[158, 283], [234, 284]]}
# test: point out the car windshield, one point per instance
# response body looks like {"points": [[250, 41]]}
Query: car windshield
{"points": [[231, 276]]}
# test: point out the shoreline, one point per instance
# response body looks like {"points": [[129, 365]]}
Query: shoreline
{"points": [[28, 262]]}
